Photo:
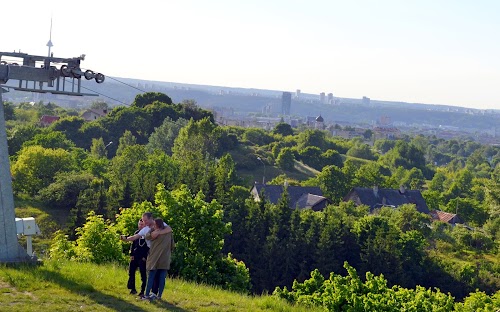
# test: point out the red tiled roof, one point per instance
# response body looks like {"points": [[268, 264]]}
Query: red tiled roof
{"points": [[442, 216], [48, 119]]}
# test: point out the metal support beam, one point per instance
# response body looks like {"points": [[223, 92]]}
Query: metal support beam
{"points": [[10, 250], [34, 74]]}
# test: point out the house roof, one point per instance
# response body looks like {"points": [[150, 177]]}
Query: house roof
{"points": [[447, 217], [376, 198], [101, 112], [48, 119], [309, 200], [299, 196]]}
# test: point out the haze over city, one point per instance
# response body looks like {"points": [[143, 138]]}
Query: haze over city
{"points": [[434, 52]]}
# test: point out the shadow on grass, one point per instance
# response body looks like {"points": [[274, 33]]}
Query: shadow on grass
{"points": [[105, 300]]}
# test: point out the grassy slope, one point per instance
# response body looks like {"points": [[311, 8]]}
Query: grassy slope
{"points": [[70, 286]]}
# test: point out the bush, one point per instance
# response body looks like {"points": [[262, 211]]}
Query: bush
{"points": [[61, 247], [97, 242]]}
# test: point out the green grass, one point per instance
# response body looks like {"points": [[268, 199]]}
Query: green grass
{"points": [[71, 286]]}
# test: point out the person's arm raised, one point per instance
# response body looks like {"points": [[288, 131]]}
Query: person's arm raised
{"points": [[165, 230]]}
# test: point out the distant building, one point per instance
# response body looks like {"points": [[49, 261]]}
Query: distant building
{"points": [[365, 100], [384, 120], [349, 134], [47, 120], [299, 196], [446, 217], [386, 133], [94, 114], [330, 98], [378, 198], [322, 97], [320, 123], [297, 93], [286, 103]]}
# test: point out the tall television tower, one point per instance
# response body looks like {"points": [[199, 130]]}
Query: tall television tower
{"points": [[49, 44]]}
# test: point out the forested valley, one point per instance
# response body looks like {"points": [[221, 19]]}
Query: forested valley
{"points": [[88, 182]]}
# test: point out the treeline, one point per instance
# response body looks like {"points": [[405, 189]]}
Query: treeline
{"points": [[72, 168]]}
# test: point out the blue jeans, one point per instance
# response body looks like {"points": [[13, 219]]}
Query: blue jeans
{"points": [[163, 274]]}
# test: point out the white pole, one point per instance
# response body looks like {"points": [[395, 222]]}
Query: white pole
{"points": [[29, 245]]}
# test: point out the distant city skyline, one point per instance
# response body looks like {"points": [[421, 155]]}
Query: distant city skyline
{"points": [[432, 52]]}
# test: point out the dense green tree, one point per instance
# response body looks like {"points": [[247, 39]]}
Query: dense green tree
{"points": [[147, 173], [257, 228], [51, 139], [361, 151], [437, 182], [283, 129], [141, 100], [236, 212], [331, 157], [433, 199], [8, 111], [194, 149], [37, 166], [370, 174], [164, 136], [312, 138], [407, 218], [406, 155], [311, 156], [414, 179], [19, 135], [337, 242], [120, 175], [91, 199], [64, 191], [225, 178], [286, 159], [380, 253], [189, 109], [71, 126], [94, 130], [461, 185], [333, 183], [257, 136], [384, 145], [470, 210], [280, 250], [98, 148], [127, 139]]}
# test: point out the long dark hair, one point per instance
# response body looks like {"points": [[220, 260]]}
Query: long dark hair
{"points": [[159, 223]]}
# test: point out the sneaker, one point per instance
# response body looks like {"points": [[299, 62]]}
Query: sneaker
{"points": [[146, 298], [153, 297], [141, 294], [133, 292]]}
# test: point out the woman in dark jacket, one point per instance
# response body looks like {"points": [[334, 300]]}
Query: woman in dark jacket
{"points": [[138, 255]]}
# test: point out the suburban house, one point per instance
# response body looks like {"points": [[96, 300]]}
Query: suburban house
{"points": [[377, 198], [446, 217], [47, 120], [93, 114], [300, 197]]}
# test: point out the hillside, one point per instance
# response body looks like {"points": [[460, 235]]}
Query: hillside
{"points": [[71, 286]]}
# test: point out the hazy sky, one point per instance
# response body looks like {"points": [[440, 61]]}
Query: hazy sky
{"points": [[424, 51]]}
